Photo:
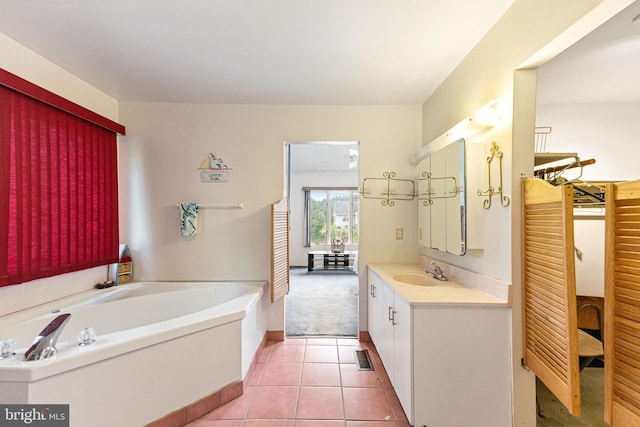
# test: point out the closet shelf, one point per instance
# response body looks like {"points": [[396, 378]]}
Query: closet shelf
{"points": [[544, 158]]}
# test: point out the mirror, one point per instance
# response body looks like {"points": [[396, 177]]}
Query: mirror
{"points": [[441, 199]]}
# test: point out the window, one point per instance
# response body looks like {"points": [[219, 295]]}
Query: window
{"points": [[329, 213], [58, 188]]}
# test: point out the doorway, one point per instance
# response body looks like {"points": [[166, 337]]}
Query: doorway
{"points": [[586, 102], [322, 187]]}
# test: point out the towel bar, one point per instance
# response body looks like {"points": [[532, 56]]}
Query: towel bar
{"points": [[239, 205]]}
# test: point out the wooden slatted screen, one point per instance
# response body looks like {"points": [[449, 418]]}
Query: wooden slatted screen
{"points": [[279, 250], [549, 290], [622, 304]]}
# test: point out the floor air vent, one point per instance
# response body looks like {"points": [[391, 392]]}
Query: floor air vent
{"points": [[363, 359]]}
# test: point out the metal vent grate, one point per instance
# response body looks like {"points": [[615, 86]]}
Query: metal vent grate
{"points": [[363, 360]]}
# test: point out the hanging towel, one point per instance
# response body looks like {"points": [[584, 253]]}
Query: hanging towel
{"points": [[188, 218]]}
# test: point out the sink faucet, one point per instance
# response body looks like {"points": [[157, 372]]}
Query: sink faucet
{"points": [[44, 346], [435, 271]]}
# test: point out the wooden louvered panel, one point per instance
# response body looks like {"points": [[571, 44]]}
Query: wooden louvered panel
{"points": [[550, 319], [622, 304], [279, 250]]}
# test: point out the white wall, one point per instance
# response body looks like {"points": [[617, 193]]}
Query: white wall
{"points": [[297, 251], [589, 240], [607, 133], [165, 144], [23, 62]]}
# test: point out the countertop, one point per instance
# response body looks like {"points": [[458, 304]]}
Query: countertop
{"points": [[440, 292]]}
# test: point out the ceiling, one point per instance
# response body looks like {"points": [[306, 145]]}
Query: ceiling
{"points": [[603, 67], [324, 158], [318, 52], [323, 52]]}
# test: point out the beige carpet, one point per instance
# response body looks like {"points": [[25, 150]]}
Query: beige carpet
{"points": [[322, 304], [554, 414]]}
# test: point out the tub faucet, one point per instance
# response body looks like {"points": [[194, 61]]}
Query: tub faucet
{"points": [[435, 271], [44, 346]]}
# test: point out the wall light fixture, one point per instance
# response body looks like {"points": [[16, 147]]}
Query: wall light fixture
{"points": [[486, 117]]}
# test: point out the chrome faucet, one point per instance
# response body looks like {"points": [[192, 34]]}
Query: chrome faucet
{"points": [[435, 271], [44, 346]]}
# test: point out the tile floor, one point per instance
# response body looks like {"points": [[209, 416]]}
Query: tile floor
{"points": [[312, 382]]}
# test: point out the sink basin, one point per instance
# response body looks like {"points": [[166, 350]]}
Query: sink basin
{"points": [[414, 279]]}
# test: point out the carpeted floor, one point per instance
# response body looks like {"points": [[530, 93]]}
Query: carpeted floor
{"points": [[592, 403], [322, 304]]}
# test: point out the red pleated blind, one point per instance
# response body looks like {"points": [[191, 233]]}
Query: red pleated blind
{"points": [[58, 191]]}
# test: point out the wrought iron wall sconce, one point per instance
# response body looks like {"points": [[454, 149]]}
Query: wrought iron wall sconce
{"points": [[504, 200], [389, 189], [428, 195]]}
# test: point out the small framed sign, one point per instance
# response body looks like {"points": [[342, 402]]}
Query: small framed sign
{"points": [[214, 176]]}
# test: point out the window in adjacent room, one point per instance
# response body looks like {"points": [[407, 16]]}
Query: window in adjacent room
{"points": [[331, 213]]}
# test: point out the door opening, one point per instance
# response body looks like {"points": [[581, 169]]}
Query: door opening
{"points": [[322, 188]]}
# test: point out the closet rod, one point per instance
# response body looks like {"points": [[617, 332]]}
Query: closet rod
{"points": [[565, 167]]}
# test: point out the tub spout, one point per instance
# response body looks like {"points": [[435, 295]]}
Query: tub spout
{"points": [[44, 346]]}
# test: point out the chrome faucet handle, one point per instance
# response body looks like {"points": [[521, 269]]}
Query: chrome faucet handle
{"points": [[435, 271], [433, 266], [44, 345]]}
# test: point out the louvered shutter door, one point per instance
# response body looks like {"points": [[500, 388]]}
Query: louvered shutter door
{"points": [[549, 290], [622, 304], [279, 250]]}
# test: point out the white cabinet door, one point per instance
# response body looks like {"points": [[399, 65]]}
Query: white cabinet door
{"points": [[375, 307], [389, 316], [402, 360], [390, 329], [384, 345], [462, 366]]}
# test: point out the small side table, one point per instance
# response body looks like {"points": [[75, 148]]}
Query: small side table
{"points": [[331, 260]]}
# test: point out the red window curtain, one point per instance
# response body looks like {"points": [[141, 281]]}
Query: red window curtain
{"points": [[58, 191]]}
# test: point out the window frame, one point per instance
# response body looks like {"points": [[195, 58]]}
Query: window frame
{"points": [[329, 214]]}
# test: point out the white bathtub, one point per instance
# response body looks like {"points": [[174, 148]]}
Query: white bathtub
{"points": [[160, 346]]}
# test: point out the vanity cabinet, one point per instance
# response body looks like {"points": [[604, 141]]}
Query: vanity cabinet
{"points": [[449, 364]]}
